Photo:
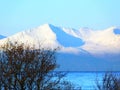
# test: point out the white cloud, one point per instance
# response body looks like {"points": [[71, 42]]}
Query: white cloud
{"points": [[70, 50]]}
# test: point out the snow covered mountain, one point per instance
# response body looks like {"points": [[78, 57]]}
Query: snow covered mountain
{"points": [[49, 36], [84, 49], [100, 41]]}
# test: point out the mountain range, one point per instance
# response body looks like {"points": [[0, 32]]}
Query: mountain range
{"points": [[80, 50]]}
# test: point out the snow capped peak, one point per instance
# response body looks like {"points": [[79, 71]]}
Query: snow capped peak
{"points": [[84, 49], [39, 35], [45, 25], [49, 36], [72, 40], [102, 42]]}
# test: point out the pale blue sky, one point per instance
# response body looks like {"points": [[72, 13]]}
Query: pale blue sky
{"points": [[18, 15]]}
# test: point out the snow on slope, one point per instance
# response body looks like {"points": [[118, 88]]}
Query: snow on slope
{"points": [[97, 50], [95, 42], [102, 41], [48, 35], [99, 42], [40, 35]]}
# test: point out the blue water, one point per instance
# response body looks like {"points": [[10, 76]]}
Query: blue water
{"points": [[86, 79]]}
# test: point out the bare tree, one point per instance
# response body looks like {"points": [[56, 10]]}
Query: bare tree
{"points": [[25, 68], [110, 81]]}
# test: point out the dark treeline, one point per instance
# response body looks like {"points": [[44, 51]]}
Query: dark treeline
{"points": [[110, 81], [24, 68]]}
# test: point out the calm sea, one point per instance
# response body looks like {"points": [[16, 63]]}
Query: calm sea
{"points": [[86, 79]]}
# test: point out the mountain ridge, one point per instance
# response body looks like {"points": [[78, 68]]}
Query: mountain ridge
{"points": [[92, 41], [80, 50]]}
